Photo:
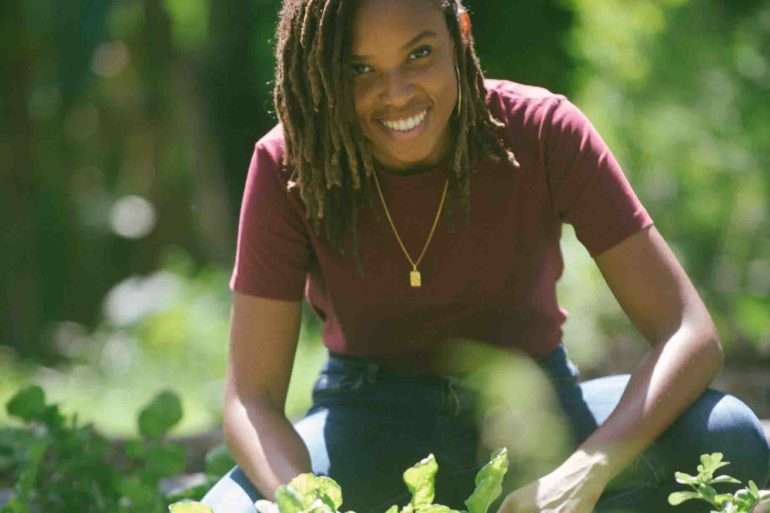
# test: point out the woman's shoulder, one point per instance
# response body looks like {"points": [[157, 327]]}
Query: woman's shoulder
{"points": [[534, 113], [517, 90], [527, 103], [269, 155], [272, 144]]}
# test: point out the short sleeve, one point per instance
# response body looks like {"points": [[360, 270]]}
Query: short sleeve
{"points": [[273, 251], [588, 187]]}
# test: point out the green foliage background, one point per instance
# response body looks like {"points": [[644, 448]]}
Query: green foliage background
{"points": [[118, 109]]}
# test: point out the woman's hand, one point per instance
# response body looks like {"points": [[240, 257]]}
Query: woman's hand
{"points": [[574, 487]]}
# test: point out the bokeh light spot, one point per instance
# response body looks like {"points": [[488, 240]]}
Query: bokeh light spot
{"points": [[109, 59], [132, 217]]}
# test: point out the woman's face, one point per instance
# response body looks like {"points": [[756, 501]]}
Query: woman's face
{"points": [[404, 81]]}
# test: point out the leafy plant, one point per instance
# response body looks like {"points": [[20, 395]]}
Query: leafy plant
{"points": [[64, 466], [702, 488], [308, 493]]}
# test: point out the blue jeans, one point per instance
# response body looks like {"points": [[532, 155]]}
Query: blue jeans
{"points": [[367, 425]]}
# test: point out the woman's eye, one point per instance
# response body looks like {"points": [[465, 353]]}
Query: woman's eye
{"points": [[421, 52], [360, 69]]}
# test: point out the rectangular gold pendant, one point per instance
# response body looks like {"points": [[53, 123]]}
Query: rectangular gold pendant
{"points": [[415, 280]]}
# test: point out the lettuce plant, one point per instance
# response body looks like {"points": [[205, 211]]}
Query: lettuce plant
{"points": [[308, 493], [702, 488]]}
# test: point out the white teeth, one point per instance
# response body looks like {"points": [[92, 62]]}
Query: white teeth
{"points": [[404, 125]]}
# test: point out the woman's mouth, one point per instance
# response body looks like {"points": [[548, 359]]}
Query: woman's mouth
{"points": [[406, 125]]}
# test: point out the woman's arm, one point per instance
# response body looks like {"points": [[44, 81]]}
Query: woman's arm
{"points": [[685, 355], [263, 341]]}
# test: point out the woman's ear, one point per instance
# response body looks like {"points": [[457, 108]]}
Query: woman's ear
{"points": [[464, 20]]}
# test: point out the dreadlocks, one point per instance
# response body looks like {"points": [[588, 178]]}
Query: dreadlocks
{"points": [[331, 161]]}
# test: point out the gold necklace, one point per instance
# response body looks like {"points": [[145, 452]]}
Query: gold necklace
{"points": [[415, 279]]}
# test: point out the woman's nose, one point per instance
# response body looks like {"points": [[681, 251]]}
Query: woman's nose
{"points": [[398, 88]]}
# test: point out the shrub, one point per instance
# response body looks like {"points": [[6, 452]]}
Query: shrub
{"points": [[63, 466]]}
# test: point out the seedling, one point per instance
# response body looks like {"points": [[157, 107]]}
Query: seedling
{"points": [[701, 486]]}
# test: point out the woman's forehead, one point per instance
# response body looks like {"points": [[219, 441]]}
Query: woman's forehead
{"points": [[391, 24]]}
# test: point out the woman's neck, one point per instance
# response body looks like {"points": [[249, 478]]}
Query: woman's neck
{"points": [[410, 171]]}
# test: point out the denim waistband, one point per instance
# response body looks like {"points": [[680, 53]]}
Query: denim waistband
{"points": [[361, 382], [356, 380]]}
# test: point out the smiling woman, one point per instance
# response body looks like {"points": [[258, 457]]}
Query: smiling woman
{"points": [[387, 128]]}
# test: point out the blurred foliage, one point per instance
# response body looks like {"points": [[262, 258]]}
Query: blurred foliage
{"points": [[58, 464], [679, 89], [127, 128], [166, 328], [61, 465]]}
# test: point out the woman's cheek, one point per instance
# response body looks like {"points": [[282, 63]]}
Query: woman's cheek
{"points": [[361, 93]]}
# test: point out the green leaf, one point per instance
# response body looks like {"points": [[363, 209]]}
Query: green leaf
{"points": [[54, 419], [189, 507], [135, 449], [723, 498], [710, 463], [392, 509], [724, 479], [677, 498], [745, 493], [420, 480], [288, 500], [437, 508], [707, 492], [687, 479], [30, 470], [746, 499], [160, 415], [311, 488], [27, 404], [219, 461], [330, 491], [138, 492], [489, 483], [164, 461]]}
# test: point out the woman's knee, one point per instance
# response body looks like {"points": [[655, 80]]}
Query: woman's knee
{"points": [[719, 422], [234, 493]]}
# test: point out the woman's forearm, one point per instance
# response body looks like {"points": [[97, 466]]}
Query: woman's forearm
{"points": [[671, 376], [264, 444]]}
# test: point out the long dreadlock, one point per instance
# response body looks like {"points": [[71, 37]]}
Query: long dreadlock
{"points": [[331, 161]]}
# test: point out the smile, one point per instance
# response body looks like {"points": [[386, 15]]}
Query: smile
{"points": [[407, 124]]}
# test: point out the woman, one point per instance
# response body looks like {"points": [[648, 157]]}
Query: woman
{"points": [[423, 205]]}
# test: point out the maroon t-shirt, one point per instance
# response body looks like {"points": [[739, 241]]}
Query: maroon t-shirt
{"points": [[492, 280]]}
